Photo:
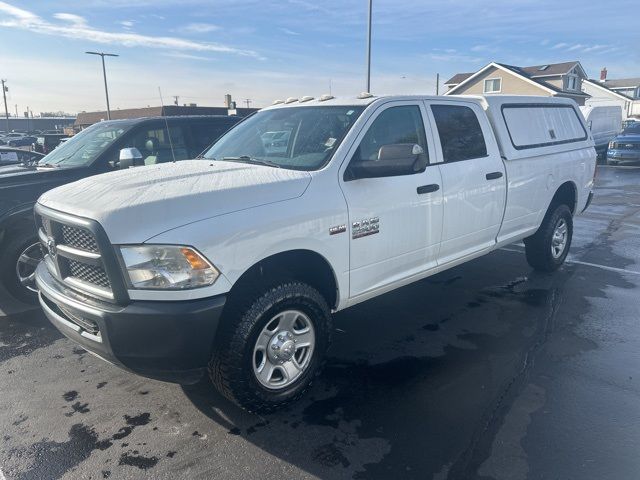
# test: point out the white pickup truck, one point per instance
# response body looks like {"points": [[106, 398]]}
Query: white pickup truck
{"points": [[235, 262]]}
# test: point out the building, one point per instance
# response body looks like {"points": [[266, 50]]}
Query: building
{"points": [[29, 124], [86, 119], [624, 92], [551, 80]]}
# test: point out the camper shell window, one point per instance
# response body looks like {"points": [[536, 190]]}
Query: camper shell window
{"points": [[542, 125]]}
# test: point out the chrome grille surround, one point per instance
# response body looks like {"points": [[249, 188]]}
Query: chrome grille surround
{"points": [[75, 255]]}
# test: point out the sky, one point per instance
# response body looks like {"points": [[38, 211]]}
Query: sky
{"points": [[263, 50]]}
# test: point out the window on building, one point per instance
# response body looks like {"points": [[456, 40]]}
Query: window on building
{"points": [[460, 133], [572, 82], [492, 85]]}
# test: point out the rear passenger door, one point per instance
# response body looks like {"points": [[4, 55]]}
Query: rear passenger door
{"points": [[473, 179]]}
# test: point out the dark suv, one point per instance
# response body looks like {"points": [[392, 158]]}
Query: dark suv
{"points": [[101, 148]]}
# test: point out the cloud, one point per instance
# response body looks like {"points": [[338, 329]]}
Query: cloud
{"points": [[186, 56], [71, 18], [560, 45], [127, 24], [75, 27], [289, 32], [199, 28]]}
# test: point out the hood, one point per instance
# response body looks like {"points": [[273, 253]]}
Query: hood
{"points": [[136, 204], [22, 185], [631, 138]]}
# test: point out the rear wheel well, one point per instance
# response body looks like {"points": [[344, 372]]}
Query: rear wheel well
{"points": [[566, 195], [302, 265]]}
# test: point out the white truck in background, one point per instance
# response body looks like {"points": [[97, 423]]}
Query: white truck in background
{"points": [[605, 123], [233, 263]]}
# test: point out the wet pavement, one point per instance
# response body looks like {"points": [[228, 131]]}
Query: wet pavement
{"points": [[488, 370]]}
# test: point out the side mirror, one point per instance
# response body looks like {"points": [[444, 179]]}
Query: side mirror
{"points": [[129, 157], [393, 160]]}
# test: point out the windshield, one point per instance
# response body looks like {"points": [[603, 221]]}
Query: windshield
{"points": [[298, 138], [632, 130], [83, 148]]}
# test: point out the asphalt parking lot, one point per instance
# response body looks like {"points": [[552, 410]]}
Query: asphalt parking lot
{"points": [[488, 370]]}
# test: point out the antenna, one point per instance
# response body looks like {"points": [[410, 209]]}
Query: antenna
{"points": [[166, 122]]}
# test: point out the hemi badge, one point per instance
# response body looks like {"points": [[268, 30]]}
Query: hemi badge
{"points": [[336, 230]]}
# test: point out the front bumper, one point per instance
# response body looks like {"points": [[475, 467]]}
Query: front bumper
{"points": [[168, 341]]}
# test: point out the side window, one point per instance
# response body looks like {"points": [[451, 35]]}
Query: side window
{"points": [[204, 134], [460, 133], [396, 126], [155, 145]]}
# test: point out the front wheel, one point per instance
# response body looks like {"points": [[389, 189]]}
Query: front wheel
{"points": [[547, 249], [18, 262], [269, 350]]}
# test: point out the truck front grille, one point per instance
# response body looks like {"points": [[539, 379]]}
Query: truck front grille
{"points": [[89, 273], [74, 255], [79, 238], [626, 146]]}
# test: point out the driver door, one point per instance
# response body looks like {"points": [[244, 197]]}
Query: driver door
{"points": [[395, 218]]}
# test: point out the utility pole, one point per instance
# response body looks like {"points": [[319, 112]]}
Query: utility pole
{"points": [[104, 74], [248, 102], [437, 84], [16, 110], [5, 89], [175, 100], [369, 49]]}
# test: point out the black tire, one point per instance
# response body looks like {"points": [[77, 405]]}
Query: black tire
{"points": [[538, 247], [232, 364], [12, 248]]}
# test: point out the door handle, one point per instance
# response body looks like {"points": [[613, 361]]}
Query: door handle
{"points": [[434, 187], [493, 175]]}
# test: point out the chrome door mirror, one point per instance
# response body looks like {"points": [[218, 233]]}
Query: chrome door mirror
{"points": [[129, 157]]}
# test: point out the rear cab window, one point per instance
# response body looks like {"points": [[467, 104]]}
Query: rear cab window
{"points": [[460, 133]]}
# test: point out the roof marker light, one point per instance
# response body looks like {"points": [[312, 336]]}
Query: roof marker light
{"points": [[364, 95], [291, 100], [277, 102], [306, 98], [326, 97]]}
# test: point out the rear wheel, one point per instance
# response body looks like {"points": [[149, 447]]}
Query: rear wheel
{"points": [[548, 248], [271, 347], [22, 253]]}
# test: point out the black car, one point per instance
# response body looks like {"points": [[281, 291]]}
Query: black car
{"points": [[95, 150], [13, 156], [25, 141]]}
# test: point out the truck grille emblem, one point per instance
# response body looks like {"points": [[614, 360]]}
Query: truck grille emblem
{"points": [[51, 247]]}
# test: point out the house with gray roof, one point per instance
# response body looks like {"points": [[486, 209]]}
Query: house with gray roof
{"points": [[551, 80], [624, 92]]}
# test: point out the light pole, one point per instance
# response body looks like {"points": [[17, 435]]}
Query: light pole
{"points": [[104, 74], [369, 49]]}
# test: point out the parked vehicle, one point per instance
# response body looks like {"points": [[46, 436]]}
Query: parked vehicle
{"points": [[47, 142], [625, 148], [236, 262], [95, 150], [13, 156], [629, 122], [605, 123], [25, 141]]}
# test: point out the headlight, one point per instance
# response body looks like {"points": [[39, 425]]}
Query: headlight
{"points": [[612, 145], [167, 267]]}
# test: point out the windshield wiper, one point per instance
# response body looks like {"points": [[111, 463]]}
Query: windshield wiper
{"points": [[252, 160]]}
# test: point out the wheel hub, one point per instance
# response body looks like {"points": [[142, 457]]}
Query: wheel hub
{"points": [[281, 347]]}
